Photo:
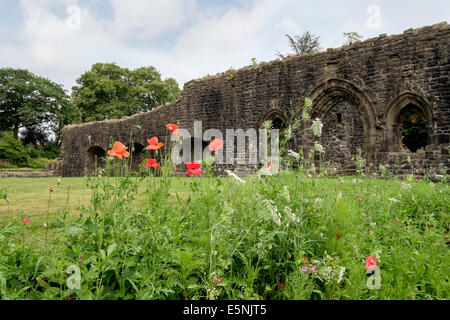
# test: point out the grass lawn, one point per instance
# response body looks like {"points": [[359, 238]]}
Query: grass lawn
{"points": [[276, 237]]}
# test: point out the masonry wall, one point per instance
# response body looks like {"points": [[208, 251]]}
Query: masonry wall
{"points": [[368, 83]]}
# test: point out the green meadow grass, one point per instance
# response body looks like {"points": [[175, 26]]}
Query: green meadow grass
{"points": [[274, 237]]}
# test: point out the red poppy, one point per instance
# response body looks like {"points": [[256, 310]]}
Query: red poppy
{"points": [[119, 151], [371, 263], [151, 163], [395, 220], [193, 165], [305, 258], [216, 144], [25, 221], [282, 286], [194, 172], [338, 235], [173, 128], [216, 280], [153, 144]]}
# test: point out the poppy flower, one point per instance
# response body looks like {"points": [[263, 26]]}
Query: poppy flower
{"points": [[51, 189], [282, 286], [395, 220], [151, 163], [338, 235], [216, 280], [25, 221], [216, 144], [305, 258], [173, 128], [371, 263], [153, 144], [119, 151], [193, 165], [194, 172]]}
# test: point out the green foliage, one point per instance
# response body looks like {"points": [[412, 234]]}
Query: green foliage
{"points": [[13, 150], [414, 134], [305, 44], [38, 163], [109, 91], [34, 103], [218, 238], [351, 37]]}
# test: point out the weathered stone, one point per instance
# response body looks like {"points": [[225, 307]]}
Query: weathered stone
{"points": [[359, 91]]}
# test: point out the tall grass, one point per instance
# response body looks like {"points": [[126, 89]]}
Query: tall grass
{"points": [[285, 236]]}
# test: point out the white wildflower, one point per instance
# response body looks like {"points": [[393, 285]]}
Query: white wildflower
{"points": [[270, 205], [265, 172], [293, 154], [318, 147], [341, 274], [286, 194], [316, 127], [393, 200], [305, 115], [235, 176], [405, 186], [291, 215]]}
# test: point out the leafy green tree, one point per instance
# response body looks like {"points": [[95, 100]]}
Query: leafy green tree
{"points": [[305, 44], [13, 150], [109, 91], [352, 37], [32, 102]]}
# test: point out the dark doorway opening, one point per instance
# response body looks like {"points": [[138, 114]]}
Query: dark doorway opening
{"points": [[414, 129]]}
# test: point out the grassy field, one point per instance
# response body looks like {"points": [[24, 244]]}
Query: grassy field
{"points": [[276, 237]]}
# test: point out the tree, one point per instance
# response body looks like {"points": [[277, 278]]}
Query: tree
{"points": [[307, 43], [32, 102], [109, 91], [352, 37]]}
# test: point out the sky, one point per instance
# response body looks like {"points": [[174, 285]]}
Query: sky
{"points": [[187, 39]]}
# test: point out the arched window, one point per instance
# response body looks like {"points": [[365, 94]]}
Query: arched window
{"points": [[408, 124], [413, 128]]}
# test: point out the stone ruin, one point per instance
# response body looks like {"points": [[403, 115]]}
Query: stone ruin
{"points": [[366, 94]]}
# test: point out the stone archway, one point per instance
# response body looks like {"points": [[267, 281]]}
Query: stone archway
{"points": [[408, 110], [95, 159], [349, 122], [277, 117]]}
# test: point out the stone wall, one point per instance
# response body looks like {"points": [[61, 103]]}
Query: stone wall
{"points": [[368, 83]]}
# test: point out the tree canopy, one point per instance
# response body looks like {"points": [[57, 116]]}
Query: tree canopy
{"points": [[32, 103], [307, 43], [109, 91]]}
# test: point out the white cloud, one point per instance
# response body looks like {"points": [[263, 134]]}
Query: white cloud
{"points": [[146, 19], [184, 40]]}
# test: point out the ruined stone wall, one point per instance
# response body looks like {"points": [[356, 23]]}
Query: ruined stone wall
{"points": [[368, 83]]}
